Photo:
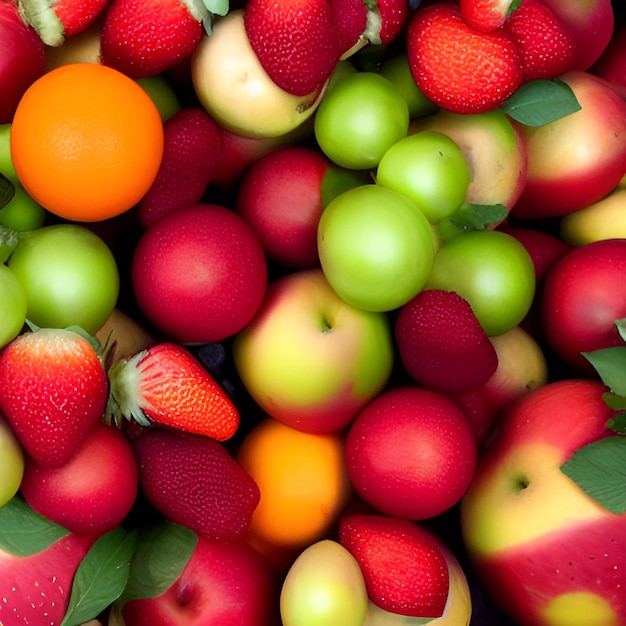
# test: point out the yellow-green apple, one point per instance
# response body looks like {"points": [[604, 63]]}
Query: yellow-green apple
{"points": [[547, 552], [12, 461], [494, 149], [411, 453], [83, 47], [522, 367], [324, 585], [590, 23], [604, 219], [308, 358], [233, 87], [458, 608], [581, 299], [225, 583], [579, 158]]}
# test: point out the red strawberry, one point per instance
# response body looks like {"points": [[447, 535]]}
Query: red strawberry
{"points": [[56, 19], [193, 481], [193, 149], [457, 67], [143, 38], [167, 385], [404, 568], [442, 344], [294, 40], [53, 390], [394, 15], [36, 589], [350, 18], [487, 15], [546, 47]]}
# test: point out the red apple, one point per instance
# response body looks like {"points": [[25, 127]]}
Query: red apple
{"points": [[199, 273], [546, 552], [612, 64], [579, 158], [228, 584], [590, 23], [411, 453], [22, 59], [583, 296]]}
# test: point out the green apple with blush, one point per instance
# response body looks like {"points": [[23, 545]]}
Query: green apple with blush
{"points": [[546, 551], [308, 358], [12, 462]]}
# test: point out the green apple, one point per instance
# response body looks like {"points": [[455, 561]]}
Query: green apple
{"points": [[308, 358], [323, 586], [11, 462], [14, 305], [430, 169], [233, 87], [162, 94], [376, 247], [546, 551], [494, 149], [22, 212]]}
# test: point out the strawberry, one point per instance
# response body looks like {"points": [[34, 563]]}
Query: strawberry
{"points": [[54, 20], [404, 568], [193, 481], [166, 385], [442, 344], [295, 42], [193, 149], [142, 38], [394, 15], [487, 15], [546, 47], [35, 589], [457, 67], [53, 390], [350, 18]]}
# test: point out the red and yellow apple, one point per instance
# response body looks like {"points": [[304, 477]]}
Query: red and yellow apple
{"points": [[546, 551]]}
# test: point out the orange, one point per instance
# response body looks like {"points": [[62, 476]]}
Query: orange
{"points": [[303, 483], [86, 142]]}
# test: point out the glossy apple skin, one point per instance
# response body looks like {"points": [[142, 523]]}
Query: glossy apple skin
{"points": [[22, 59], [309, 359], [494, 149], [582, 298], [590, 22], [228, 584], [546, 552], [579, 158]]}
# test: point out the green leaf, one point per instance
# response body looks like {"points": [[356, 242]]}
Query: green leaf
{"points": [[162, 552], [217, 7], [542, 101], [621, 328], [614, 401], [9, 238], [478, 216], [7, 191], [101, 576], [599, 469], [618, 423], [337, 180], [24, 532], [610, 363]]}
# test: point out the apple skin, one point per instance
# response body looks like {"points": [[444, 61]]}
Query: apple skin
{"points": [[579, 158], [612, 63], [581, 299], [22, 59], [309, 359], [12, 460], [546, 552], [229, 584], [458, 609], [590, 23], [494, 148]]}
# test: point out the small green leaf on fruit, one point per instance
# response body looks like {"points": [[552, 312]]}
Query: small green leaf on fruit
{"points": [[610, 363], [24, 532], [7, 191], [618, 423], [217, 7], [337, 180], [478, 216], [599, 469], [614, 401], [542, 101], [621, 328], [162, 552], [101, 576]]}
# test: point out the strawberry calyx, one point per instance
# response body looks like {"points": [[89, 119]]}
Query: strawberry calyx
{"points": [[42, 17], [374, 22], [205, 10]]}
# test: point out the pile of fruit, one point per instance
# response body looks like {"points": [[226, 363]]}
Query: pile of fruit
{"points": [[312, 313]]}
